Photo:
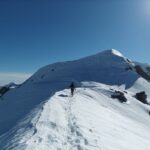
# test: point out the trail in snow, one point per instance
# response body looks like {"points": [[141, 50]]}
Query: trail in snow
{"points": [[90, 120], [75, 137], [56, 127]]}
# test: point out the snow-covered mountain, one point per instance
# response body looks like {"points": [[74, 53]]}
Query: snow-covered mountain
{"points": [[109, 67], [40, 114]]}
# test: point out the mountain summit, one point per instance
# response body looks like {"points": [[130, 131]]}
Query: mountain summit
{"points": [[108, 111], [109, 67], [112, 52]]}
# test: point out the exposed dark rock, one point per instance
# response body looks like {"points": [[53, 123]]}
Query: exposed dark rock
{"points": [[111, 89], [42, 76], [63, 95], [120, 96], [142, 97], [3, 90], [142, 73], [129, 61]]}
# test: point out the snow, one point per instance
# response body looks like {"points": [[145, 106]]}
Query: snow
{"points": [[105, 67], [40, 114], [113, 52], [89, 120]]}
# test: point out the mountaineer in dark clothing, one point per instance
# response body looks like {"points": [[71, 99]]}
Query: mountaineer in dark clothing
{"points": [[72, 88]]}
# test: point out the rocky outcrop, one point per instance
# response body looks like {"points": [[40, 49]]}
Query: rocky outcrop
{"points": [[142, 73], [120, 96], [142, 97]]}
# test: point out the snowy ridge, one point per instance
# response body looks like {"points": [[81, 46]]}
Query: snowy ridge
{"points": [[35, 116], [108, 67], [89, 120]]}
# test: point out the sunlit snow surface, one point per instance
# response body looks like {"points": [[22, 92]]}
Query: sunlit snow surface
{"points": [[90, 120], [114, 52], [41, 114]]}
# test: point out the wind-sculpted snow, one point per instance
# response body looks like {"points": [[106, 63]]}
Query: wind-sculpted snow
{"points": [[89, 120]]}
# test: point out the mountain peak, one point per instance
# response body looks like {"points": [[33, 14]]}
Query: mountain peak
{"points": [[108, 67], [100, 79], [113, 52]]}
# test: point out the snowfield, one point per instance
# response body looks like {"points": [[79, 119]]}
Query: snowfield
{"points": [[42, 115], [88, 120]]}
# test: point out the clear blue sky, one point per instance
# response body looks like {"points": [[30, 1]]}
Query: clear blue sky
{"points": [[34, 33]]}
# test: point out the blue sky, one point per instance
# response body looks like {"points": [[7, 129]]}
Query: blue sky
{"points": [[34, 33]]}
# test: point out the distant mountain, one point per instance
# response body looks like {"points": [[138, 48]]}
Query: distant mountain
{"points": [[105, 112]]}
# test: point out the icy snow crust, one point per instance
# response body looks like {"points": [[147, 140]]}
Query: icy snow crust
{"points": [[90, 120], [35, 116]]}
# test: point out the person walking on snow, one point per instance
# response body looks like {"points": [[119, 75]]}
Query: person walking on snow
{"points": [[72, 88]]}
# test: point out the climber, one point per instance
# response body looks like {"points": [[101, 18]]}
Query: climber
{"points": [[72, 88]]}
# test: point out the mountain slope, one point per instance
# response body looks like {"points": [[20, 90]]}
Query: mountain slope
{"points": [[35, 115], [108, 67], [89, 120]]}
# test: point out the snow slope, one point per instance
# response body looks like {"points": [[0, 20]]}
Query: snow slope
{"points": [[89, 120], [36, 116], [108, 67]]}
